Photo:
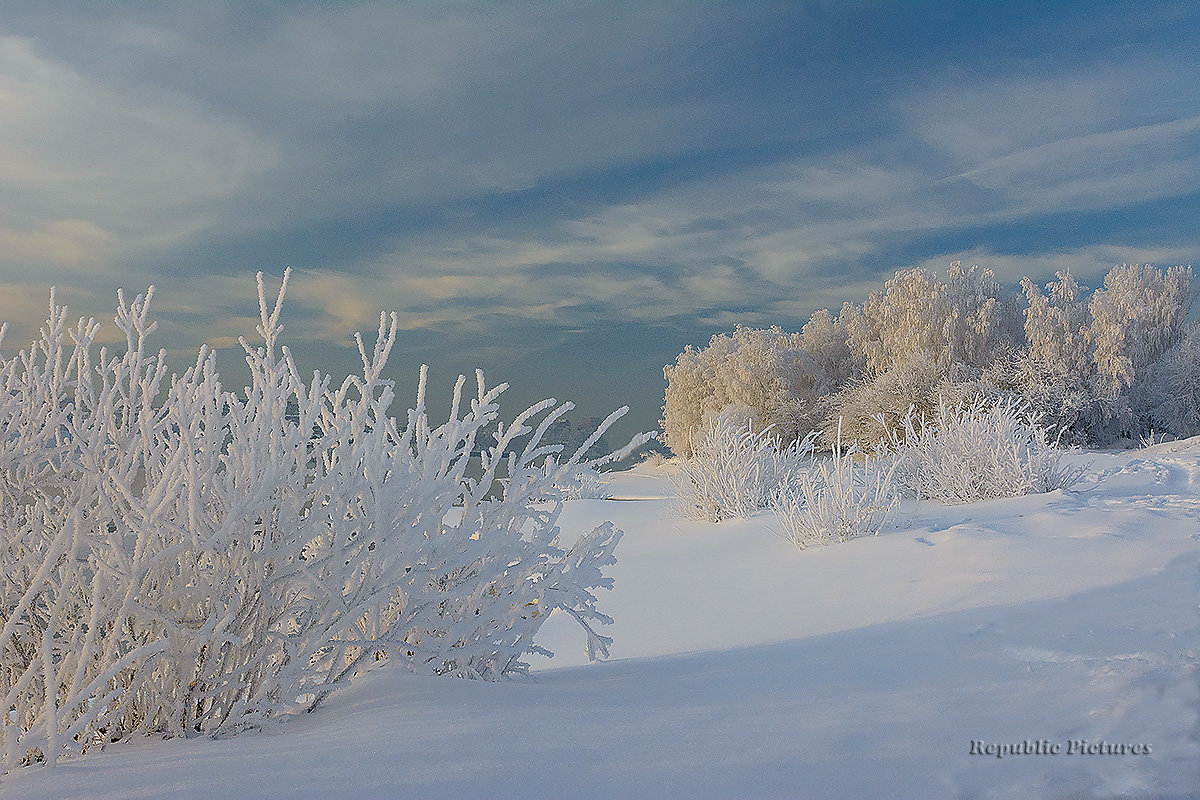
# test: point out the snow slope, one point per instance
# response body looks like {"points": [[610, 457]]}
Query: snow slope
{"points": [[743, 667]]}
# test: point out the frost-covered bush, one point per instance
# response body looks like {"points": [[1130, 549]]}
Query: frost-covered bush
{"points": [[874, 411], [989, 449], [180, 559], [866, 412], [733, 469], [836, 499]]}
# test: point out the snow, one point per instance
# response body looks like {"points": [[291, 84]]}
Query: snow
{"points": [[743, 667]]}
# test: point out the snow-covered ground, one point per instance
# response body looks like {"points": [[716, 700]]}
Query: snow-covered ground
{"points": [[743, 667]]}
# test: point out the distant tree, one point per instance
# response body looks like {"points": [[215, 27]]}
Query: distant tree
{"points": [[981, 321], [755, 370], [1054, 372], [768, 377], [1136, 317], [1058, 326], [1173, 387], [905, 321], [824, 337], [1087, 362], [1093, 365], [962, 320]]}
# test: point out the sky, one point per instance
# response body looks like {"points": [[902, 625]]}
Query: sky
{"points": [[567, 194]]}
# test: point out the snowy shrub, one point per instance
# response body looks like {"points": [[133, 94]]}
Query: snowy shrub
{"points": [[869, 411], [180, 559], [654, 458], [732, 470], [1152, 438], [836, 499], [986, 450], [1063, 397]]}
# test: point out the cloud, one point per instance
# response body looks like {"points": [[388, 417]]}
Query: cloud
{"points": [[64, 242], [405, 106], [91, 171], [1108, 132], [769, 243], [783, 222], [1096, 171]]}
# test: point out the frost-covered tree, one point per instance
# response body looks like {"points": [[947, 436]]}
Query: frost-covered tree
{"points": [[772, 378], [962, 320], [824, 337], [1172, 395], [1136, 317], [1058, 325], [1088, 359], [981, 320], [1054, 372], [865, 412], [759, 371], [907, 320]]}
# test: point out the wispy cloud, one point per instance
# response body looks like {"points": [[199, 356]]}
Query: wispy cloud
{"points": [[1095, 171], [1091, 136], [91, 172]]}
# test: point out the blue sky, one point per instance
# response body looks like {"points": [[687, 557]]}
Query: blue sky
{"points": [[566, 194]]}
